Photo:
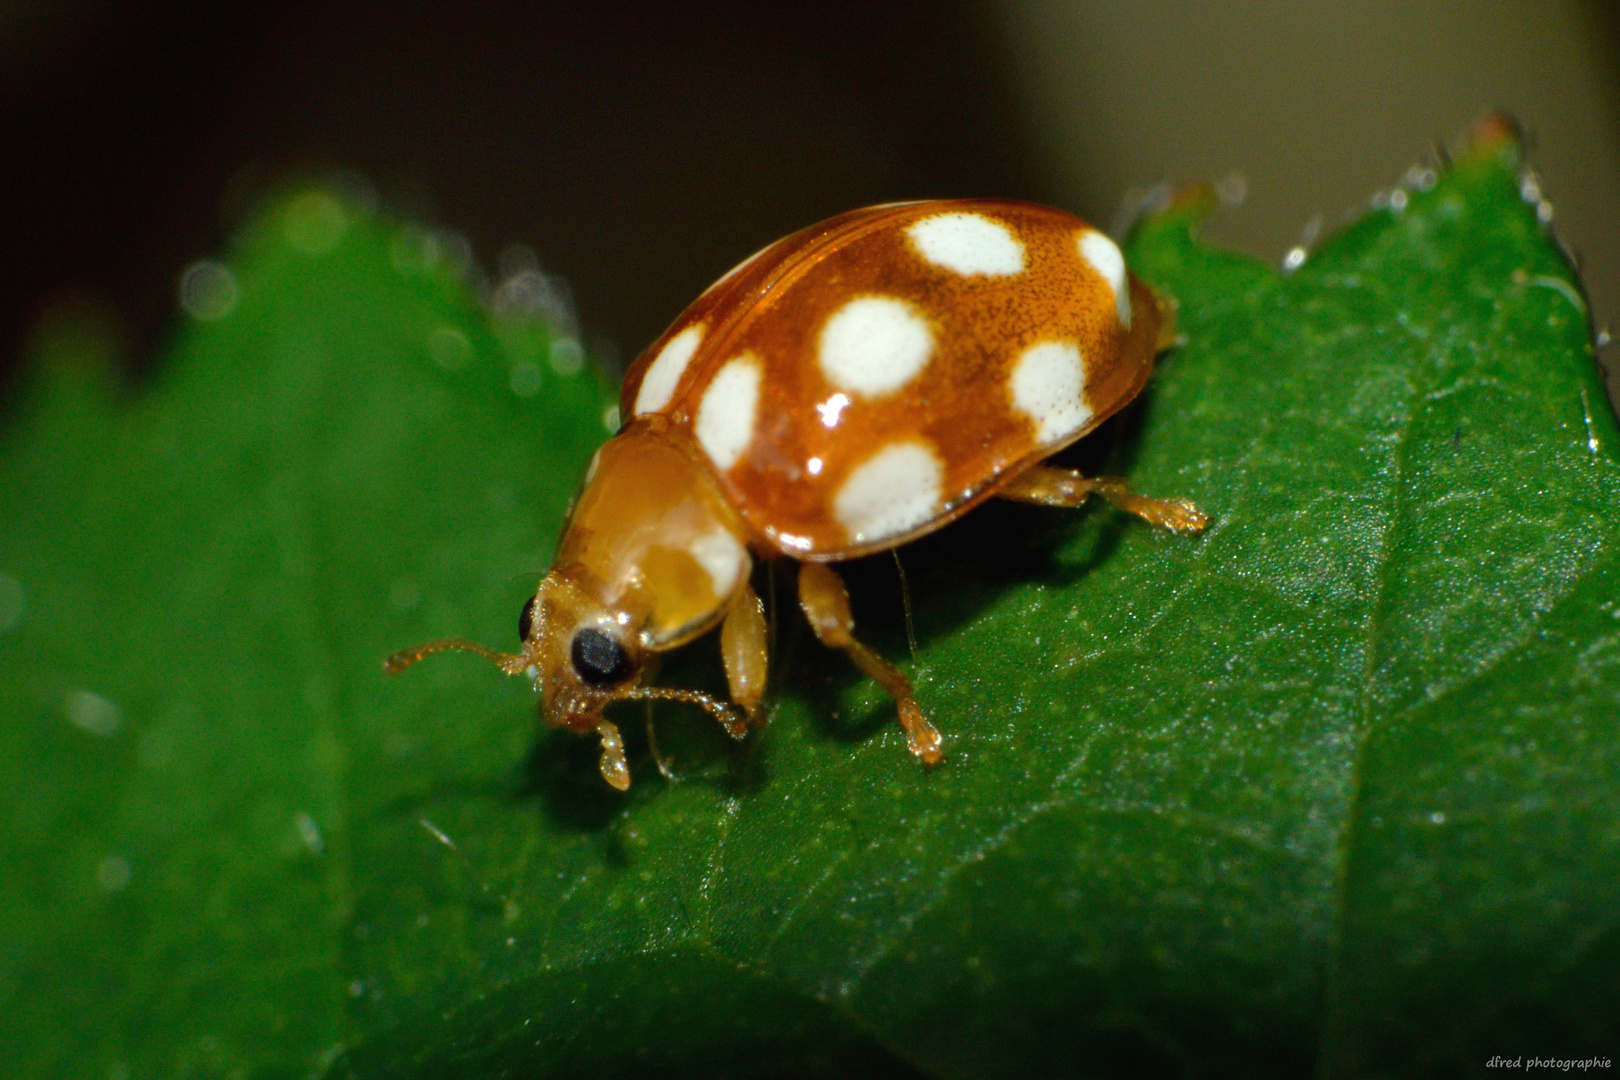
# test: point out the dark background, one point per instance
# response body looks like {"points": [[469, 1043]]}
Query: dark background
{"points": [[643, 148]]}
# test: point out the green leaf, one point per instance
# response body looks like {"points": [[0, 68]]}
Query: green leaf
{"points": [[1334, 788]]}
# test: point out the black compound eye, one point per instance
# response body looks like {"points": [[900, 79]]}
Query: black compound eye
{"points": [[526, 620], [599, 659]]}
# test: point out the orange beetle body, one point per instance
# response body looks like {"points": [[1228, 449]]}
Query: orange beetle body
{"points": [[847, 389]]}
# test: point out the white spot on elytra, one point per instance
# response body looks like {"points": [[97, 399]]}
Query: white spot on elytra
{"points": [[874, 345], [968, 244], [723, 556], [664, 373], [1047, 385], [725, 417], [1104, 257], [890, 493]]}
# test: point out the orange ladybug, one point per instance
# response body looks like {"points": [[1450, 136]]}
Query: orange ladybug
{"points": [[847, 389]]}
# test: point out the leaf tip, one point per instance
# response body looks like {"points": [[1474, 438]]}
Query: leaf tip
{"points": [[1495, 135], [1181, 204]]}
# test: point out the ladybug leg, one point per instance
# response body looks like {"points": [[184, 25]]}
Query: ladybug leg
{"points": [[742, 647], [826, 604], [615, 770], [1048, 486]]}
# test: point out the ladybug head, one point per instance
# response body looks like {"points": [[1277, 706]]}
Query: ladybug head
{"points": [[650, 559], [581, 652]]}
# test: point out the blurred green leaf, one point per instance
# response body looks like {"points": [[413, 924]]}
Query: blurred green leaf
{"points": [[1335, 788]]}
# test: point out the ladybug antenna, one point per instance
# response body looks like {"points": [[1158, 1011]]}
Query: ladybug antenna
{"points": [[735, 725], [511, 663]]}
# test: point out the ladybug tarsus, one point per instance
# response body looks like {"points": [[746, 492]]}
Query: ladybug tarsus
{"points": [[826, 605], [1047, 486]]}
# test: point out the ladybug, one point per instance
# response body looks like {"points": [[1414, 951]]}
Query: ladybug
{"points": [[845, 390]]}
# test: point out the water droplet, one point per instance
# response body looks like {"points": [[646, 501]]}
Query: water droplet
{"points": [[357, 988], [310, 834], [1294, 259], [1397, 200], [526, 378], [113, 873], [412, 251], [567, 356], [314, 223], [610, 418], [529, 294], [208, 290], [1311, 230], [1232, 189], [453, 249], [517, 259], [11, 603], [1437, 818], [449, 348], [93, 713], [1544, 212]]}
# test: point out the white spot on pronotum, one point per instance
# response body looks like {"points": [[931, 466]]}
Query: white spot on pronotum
{"points": [[11, 603], [1048, 385], [664, 373], [874, 345], [1104, 257], [813, 466], [890, 493], [723, 557], [208, 290], [93, 713], [113, 873], [725, 418], [968, 244]]}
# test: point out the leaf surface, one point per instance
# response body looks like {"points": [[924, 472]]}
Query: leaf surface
{"points": [[1335, 787]]}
